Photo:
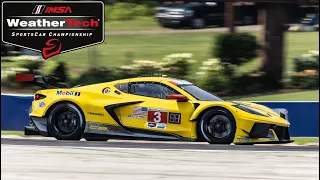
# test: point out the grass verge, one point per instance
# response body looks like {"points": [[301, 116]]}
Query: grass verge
{"points": [[305, 140], [122, 49], [294, 96], [19, 133], [142, 23]]}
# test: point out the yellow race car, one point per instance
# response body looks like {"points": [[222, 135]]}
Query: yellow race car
{"points": [[157, 108]]}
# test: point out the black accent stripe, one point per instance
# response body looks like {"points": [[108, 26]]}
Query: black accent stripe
{"points": [[110, 110], [245, 131], [196, 105]]}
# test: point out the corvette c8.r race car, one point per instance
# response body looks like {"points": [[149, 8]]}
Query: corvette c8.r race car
{"points": [[155, 108]]}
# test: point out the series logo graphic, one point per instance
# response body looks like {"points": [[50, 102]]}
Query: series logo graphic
{"points": [[52, 27]]}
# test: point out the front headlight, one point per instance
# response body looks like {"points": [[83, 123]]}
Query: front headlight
{"points": [[249, 110]]}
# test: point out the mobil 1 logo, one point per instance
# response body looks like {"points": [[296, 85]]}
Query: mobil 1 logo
{"points": [[52, 27]]}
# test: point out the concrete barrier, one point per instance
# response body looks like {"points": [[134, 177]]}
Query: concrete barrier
{"points": [[304, 116]]}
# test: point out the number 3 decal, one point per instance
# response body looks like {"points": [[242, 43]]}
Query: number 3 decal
{"points": [[157, 118]]}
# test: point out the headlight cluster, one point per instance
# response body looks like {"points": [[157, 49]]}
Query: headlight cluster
{"points": [[249, 110]]}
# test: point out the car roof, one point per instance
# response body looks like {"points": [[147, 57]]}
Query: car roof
{"points": [[158, 79]]}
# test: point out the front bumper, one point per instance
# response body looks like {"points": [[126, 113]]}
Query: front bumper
{"points": [[262, 133]]}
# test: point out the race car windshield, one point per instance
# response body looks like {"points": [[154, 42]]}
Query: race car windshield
{"points": [[199, 93]]}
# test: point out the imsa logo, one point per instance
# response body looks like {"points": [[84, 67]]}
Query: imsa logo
{"points": [[38, 9]]}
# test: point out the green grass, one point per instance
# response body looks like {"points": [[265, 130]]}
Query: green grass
{"points": [[120, 49], [305, 140], [298, 140], [143, 23], [117, 49], [295, 96], [19, 133]]}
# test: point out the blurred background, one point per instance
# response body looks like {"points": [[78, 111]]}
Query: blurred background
{"points": [[259, 50]]}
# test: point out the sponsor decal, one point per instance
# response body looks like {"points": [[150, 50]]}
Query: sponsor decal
{"points": [[97, 114], [42, 104], [139, 112], [174, 118], [244, 139], [68, 93], [100, 128], [52, 27], [156, 125], [35, 106], [137, 116], [161, 125], [157, 118], [115, 129], [151, 125], [106, 91], [158, 115]]}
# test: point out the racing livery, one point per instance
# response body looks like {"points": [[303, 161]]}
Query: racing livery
{"points": [[157, 108]]}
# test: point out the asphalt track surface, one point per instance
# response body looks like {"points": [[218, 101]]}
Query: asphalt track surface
{"points": [[49, 159], [156, 145]]}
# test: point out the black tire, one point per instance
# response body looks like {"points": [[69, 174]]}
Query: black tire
{"points": [[66, 122], [217, 126], [198, 23]]}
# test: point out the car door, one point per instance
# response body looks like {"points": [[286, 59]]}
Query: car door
{"points": [[152, 111]]}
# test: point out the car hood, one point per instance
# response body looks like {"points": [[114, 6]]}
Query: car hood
{"points": [[257, 107]]}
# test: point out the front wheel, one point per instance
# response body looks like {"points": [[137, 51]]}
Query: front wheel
{"points": [[198, 23], [217, 126], [66, 122]]}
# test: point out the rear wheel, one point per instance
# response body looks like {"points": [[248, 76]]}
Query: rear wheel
{"points": [[66, 122], [217, 126]]}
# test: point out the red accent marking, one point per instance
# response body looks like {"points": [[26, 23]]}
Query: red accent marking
{"points": [[24, 77], [51, 44], [174, 83], [38, 9]]}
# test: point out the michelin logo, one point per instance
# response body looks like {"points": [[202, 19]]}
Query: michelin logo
{"points": [[68, 93]]}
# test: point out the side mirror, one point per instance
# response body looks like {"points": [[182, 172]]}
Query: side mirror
{"points": [[178, 97]]}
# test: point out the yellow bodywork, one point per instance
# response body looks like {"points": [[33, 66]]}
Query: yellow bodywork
{"points": [[92, 101]]}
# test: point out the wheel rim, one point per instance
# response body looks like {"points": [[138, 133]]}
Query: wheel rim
{"points": [[198, 23], [67, 122], [219, 126]]}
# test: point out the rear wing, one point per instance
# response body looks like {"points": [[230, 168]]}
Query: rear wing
{"points": [[47, 82]]}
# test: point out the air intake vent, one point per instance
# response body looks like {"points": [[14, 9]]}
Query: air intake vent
{"points": [[282, 115]]}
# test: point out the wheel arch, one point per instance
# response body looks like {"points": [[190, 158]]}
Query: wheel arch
{"points": [[61, 102], [197, 115]]}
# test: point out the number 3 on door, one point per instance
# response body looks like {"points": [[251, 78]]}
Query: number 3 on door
{"points": [[157, 116]]}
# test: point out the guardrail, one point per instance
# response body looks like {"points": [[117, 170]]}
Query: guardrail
{"points": [[304, 116]]}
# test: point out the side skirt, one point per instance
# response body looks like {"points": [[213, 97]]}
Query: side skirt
{"points": [[118, 132]]}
